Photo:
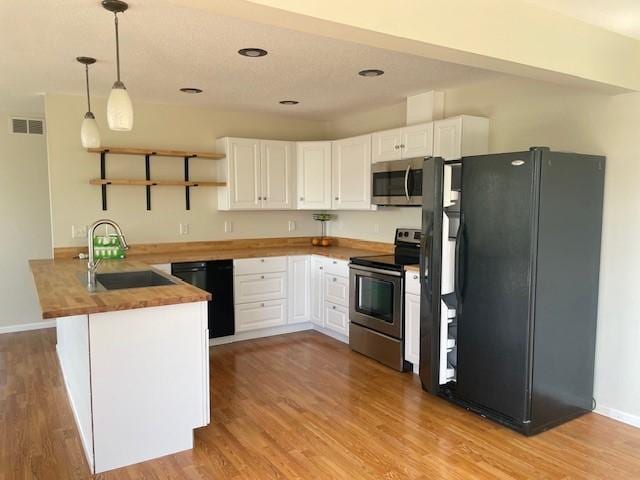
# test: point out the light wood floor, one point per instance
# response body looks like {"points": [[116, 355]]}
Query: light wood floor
{"points": [[303, 406]]}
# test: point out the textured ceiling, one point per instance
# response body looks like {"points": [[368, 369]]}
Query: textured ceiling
{"points": [[621, 16], [165, 47]]}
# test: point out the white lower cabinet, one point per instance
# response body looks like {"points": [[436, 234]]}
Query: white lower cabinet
{"points": [[299, 291], [260, 287], [336, 318], [412, 320], [336, 289], [316, 290], [256, 315]]}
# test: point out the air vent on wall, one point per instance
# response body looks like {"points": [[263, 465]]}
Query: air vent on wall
{"points": [[29, 126]]}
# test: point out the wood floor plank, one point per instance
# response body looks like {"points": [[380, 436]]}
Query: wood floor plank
{"points": [[303, 406]]}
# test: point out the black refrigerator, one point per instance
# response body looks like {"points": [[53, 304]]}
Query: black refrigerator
{"points": [[510, 261]]}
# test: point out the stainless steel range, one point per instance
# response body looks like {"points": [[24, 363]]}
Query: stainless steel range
{"points": [[376, 306]]}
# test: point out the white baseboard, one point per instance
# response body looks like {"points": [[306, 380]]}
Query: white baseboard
{"points": [[28, 326], [332, 334], [264, 332], [624, 417]]}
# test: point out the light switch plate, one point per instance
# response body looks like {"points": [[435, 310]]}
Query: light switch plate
{"points": [[184, 229], [292, 225], [78, 231], [228, 226]]}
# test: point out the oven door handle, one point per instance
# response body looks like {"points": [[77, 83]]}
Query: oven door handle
{"points": [[406, 182], [360, 268]]}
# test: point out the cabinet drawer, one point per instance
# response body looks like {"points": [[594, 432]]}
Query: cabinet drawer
{"points": [[253, 316], [337, 267], [412, 282], [336, 318], [257, 288], [246, 266], [336, 289]]}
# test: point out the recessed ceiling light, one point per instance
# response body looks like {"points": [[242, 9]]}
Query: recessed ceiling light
{"points": [[372, 72], [191, 90], [252, 52], [289, 102]]}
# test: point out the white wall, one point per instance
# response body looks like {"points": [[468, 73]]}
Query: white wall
{"points": [[75, 202], [525, 113], [26, 224]]}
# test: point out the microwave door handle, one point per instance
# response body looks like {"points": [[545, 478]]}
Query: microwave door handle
{"points": [[406, 182]]}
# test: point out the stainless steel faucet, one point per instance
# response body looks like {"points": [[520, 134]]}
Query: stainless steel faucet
{"points": [[92, 265]]}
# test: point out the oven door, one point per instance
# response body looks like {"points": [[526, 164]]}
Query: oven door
{"points": [[376, 299], [397, 183]]}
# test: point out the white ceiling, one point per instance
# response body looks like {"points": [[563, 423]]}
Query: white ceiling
{"points": [[621, 16], [165, 47]]}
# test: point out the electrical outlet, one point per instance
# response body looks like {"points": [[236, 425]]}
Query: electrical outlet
{"points": [[184, 229], [292, 225], [78, 231], [228, 226], [376, 228]]}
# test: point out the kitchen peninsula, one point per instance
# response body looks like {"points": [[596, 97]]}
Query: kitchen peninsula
{"points": [[135, 361]]}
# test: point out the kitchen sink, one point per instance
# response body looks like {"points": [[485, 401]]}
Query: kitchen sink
{"points": [[141, 279]]}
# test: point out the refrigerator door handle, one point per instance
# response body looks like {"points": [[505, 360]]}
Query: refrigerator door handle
{"points": [[458, 279], [406, 182]]}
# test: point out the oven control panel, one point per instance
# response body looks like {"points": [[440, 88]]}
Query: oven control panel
{"points": [[408, 235]]}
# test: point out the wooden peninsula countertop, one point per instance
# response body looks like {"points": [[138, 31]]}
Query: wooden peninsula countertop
{"points": [[62, 291]]}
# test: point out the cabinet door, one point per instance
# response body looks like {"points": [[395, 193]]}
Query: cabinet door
{"points": [[244, 173], [336, 318], [417, 141], [257, 288], [412, 328], [351, 173], [299, 277], [336, 289], [276, 168], [317, 290], [253, 316], [314, 175], [386, 145], [447, 138]]}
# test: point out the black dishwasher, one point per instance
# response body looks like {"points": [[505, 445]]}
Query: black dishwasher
{"points": [[215, 277]]}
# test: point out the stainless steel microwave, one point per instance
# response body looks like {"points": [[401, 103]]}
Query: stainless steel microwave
{"points": [[398, 182]]}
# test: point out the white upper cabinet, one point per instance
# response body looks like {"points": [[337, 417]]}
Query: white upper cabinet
{"points": [[259, 174], [276, 165], [457, 137], [386, 145], [417, 141], [351, 172], [314, 175], [407, 142]]}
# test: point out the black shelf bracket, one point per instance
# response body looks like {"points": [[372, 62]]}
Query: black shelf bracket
{"points": [[147, 176], [187, 193], [103, 175]]}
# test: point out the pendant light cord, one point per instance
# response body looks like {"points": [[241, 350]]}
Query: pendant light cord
{"points": [[117, 47], [86, 70]]}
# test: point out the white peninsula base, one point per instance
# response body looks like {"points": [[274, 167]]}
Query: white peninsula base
{"points": [[138, 381]]}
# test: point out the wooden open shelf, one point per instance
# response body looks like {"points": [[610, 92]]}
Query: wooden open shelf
{"points": [[155, 183], [157, 152], [147, 153]]}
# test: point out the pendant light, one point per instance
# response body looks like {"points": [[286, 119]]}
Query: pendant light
{"points": [[89, 133], [119, 108]]}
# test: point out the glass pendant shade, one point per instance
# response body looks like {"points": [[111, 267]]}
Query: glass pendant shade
{"points": [[119, 109], [89, 133]]}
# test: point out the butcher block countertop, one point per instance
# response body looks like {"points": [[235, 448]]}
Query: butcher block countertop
{"points": [[62, 291]]}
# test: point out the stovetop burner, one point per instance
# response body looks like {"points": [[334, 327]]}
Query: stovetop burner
{"points": [[407, 252]]}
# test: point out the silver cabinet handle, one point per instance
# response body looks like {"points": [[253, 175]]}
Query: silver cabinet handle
{"points": [[415, 277], [333, 306], [335, 279], [262, 304], [402, 145], [397, 147], [321, 268], [337, 198], [262, 260], [261, 277], [259, 198], [302, 199], [335, 262], [264, 198], [406, 182]]}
